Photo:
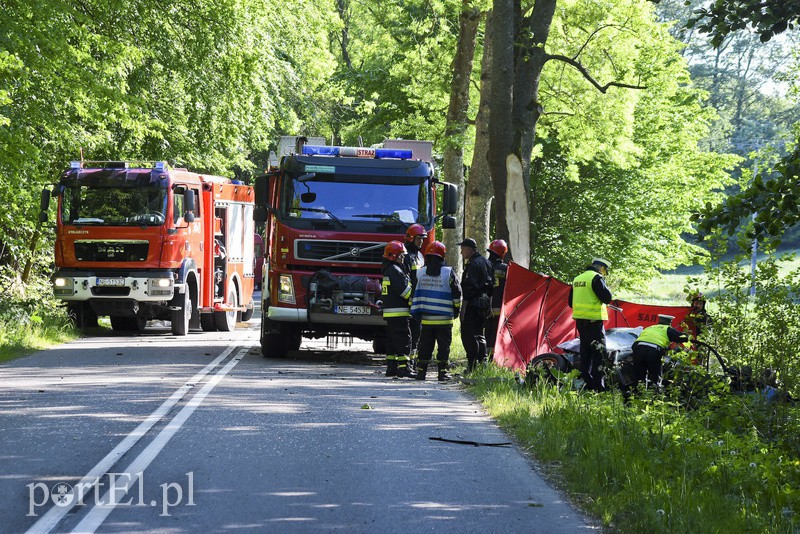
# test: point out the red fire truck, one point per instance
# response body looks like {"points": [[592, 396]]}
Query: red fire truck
{"points": [[329, 212], [148, 242]]}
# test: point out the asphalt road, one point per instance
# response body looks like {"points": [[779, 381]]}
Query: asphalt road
{"points": [[154, 433]]}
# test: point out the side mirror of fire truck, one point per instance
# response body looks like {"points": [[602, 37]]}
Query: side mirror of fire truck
{"points": [[450, 199], [188, 204], [261, 211], [44, 204], [448, 222]]}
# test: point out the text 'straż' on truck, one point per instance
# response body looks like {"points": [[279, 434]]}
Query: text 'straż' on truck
{"points": [[149, 242], [329, 212]]}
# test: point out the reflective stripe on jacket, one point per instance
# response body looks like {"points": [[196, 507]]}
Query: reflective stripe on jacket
{"points": [[433, 299], [395, 291], [585, 304]]}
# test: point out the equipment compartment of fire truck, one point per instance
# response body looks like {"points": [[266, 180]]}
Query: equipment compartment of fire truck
{"points": [[329, 212], [148, 242]]}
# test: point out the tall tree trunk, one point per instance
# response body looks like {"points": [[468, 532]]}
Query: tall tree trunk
{"points": [[456, 126], [515, 101], [478, 196], [505, 164]]}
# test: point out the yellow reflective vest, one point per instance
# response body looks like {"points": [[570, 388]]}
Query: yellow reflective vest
{"points": [[585, 304], [656, 334]]}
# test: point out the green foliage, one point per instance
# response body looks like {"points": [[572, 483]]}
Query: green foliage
{"points": [[649, 466], [766, 17], [762, 331], [620, 175]]}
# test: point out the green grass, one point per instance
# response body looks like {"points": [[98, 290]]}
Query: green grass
{"points": [[648, 466], [19, 338]]}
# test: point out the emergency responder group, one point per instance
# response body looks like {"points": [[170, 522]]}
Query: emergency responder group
{"points": [[422, 297]]}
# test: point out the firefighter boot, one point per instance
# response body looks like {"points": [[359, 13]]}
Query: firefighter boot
{"points": [[403, 370], [444, 376], [391, 366], [422, 370]]}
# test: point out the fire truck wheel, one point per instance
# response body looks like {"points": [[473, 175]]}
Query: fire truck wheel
{"points": [[226, 321], [127, 324], [248, 313], [207, 322], [274, 346], [179, 319]]}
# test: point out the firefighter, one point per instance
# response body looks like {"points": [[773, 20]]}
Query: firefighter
{"points": [[436, 302], [588, 298], [413, 261], [650, 346], [395, 294], [476, 287], [497, 254]]}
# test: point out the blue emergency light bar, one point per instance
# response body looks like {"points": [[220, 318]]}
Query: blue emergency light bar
{"points": [[356, 152]]}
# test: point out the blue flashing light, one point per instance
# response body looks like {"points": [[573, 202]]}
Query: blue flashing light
{"points": [[74, 164], [315, 150], [396, 153], [161, 165]]}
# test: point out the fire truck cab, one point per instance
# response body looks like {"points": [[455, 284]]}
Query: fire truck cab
{"points": [[140, 242], [329, 213]]}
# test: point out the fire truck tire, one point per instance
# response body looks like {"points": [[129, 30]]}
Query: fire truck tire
{"points": [[207, 322], [226, 321], [180, 318], [274, 346], [82, 314], [127, 324], [248, 313]]}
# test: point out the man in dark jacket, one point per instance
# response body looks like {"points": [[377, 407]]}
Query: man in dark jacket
{"points": [[476, 288], [588, 298]]}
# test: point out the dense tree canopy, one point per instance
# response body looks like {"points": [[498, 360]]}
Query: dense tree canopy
{"points": [[615, 162]]}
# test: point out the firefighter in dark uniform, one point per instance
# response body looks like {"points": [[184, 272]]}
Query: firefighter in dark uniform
{"points": [[650, 347], [395, 294], [588, 298], [413, 261], [436, 302], [476, 288], [497, 253]]}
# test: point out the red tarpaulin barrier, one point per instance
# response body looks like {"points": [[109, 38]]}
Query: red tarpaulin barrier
{"points": [[536, 316]]}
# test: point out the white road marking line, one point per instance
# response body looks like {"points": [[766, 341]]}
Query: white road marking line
{"points": [[53, 516], [98, 514]]}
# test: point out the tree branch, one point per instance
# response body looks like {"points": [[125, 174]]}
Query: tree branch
{"points": [[602, 88]]}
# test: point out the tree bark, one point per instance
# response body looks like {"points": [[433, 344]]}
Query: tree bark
{"points": [[504, 156], [479, 193], [456, 127], [515, 101]]}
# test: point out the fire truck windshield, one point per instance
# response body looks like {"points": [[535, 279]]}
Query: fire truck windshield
{"points": [[114, 206], [346, 200]]}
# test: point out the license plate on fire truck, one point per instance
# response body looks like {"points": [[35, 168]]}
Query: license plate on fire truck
{"points": [[353, 310], [110, 282]]}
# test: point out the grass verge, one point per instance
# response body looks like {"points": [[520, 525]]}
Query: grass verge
{"points": [[651, 466], [21, 337]]}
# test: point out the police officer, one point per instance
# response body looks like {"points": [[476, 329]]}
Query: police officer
{"points": [[414, 260], [497, 253], [650, 346], [476, 287], [588, 297], [395, 294], [436, 301]]}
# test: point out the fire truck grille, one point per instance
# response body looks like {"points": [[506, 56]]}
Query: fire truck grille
{"points": [[340, 251], [111, 250]]}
